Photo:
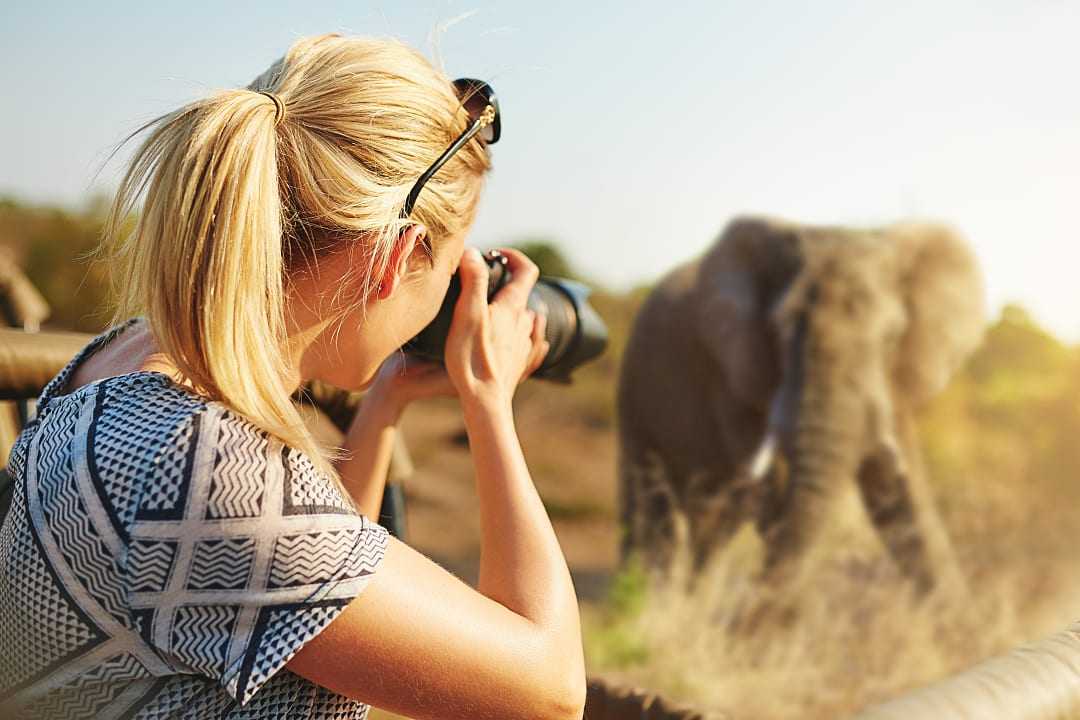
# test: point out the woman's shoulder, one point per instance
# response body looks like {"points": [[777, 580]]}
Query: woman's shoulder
{"points": [[184, 449], [248, 468]]}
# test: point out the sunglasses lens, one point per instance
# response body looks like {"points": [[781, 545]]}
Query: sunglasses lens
{"points": [[475, 97]]}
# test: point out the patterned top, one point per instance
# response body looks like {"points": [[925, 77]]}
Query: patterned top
{"points": [[164, 558]]}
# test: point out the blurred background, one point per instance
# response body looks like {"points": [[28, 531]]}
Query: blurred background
{"points": [[632, 133]]}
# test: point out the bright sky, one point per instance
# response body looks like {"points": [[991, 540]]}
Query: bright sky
{"points": [[633, 131]]}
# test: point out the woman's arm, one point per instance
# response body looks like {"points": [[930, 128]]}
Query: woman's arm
{"points": [[369, 441], [370, 445], [418, 641], [521, 563]]}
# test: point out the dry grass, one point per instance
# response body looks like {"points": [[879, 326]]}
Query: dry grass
{"points": [[824, 648]]}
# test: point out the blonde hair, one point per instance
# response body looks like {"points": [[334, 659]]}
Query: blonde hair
{"points": [[237, 203]]}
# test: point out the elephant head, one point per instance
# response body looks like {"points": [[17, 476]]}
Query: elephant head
{"points": [[834, 335]]}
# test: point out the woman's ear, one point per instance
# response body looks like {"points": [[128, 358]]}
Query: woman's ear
{"points": [[408, 247]]}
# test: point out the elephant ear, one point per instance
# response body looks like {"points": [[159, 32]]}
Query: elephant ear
{"points": [[739, 279], [945, 300]]}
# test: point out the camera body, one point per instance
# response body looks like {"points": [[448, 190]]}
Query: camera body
{"points": [[574, 330]]}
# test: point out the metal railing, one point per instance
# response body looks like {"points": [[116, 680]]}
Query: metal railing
{"points": [[1037, 681]]}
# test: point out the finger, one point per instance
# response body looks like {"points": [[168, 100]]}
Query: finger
{"points": [[539, 352], [544, 350], [524, 274], [527, 321], [473, 274], [540, 346], [535, 359], [539, 327], [528, 327]]}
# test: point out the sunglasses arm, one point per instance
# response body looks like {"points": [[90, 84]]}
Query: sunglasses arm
{"points": [[470, 131]]}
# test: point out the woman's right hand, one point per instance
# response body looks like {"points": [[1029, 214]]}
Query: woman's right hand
{"points": [[492, 347]]}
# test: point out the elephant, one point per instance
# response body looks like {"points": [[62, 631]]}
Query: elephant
{"points": [[774, 379]]}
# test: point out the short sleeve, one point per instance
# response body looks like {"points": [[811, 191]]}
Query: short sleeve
{"points": [[240, 552]]}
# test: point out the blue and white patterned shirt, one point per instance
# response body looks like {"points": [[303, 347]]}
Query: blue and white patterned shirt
{"points": [[164, 558]]}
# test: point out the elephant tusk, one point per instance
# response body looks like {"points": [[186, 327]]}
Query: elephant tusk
{"points": [[762, 460]]}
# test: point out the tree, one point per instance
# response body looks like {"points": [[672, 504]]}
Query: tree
{"points": [[544, 252]]}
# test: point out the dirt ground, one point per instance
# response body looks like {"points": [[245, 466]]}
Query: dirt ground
{"points": [[572, 462]]}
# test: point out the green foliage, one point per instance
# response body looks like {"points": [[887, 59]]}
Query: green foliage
{"points": [[559, 509], [626, 597], [1019, 365], [546, 254], [613, 639]]}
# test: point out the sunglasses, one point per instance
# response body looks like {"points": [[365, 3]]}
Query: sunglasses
{"points": [[479, 102]]}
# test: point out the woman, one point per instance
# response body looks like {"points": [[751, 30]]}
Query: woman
{"points": [[179, 545]]}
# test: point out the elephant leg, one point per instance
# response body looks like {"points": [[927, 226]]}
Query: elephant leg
{"points": [[884, 489], [648, 509], [940, 557], [714, 513], [900, 505]]}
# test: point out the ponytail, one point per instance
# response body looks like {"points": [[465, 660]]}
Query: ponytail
{"points": [[204, 263]]}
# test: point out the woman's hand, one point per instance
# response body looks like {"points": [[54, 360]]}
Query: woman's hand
{"points": [[493, 347], [404, 378]]}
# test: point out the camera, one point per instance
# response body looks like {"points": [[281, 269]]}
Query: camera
{"points": [[574, 330]]}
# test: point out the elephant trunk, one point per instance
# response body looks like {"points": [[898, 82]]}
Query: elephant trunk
{"points": [[821, 439]]}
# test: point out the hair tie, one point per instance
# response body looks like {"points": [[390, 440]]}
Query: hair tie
{"points": [[279, 106]]}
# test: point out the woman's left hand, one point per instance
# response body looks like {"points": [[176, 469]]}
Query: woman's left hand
{"points": [[403, 378]]}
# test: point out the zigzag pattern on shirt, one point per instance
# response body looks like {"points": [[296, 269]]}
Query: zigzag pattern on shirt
{"points": [[148, 565], [316, 557], [75, 703], [200, 636], [119, 667], [54, 457], [86, 554], [221, 564], [239, 475], [89, 694], [366, 556]]}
